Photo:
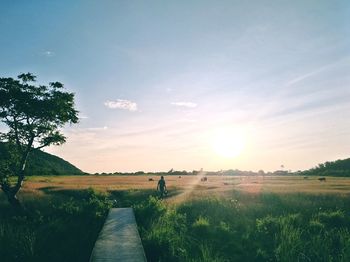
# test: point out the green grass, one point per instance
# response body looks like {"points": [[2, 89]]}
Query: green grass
{"points": [[62, 225], [265, 227], [52, 228]]}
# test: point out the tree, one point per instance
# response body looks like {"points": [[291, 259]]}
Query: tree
{"points": [[33, 115]]}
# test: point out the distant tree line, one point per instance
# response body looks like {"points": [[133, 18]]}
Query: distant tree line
{"points": [[173, 172], [335, 168]]}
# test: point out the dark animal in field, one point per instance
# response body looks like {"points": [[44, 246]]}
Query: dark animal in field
{"points": [[150, 179], [203, 179], [179, 176], [322, 179], [226, 184], [306, 177]]}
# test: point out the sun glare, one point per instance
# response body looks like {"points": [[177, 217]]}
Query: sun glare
{"points": [[228, 143]]}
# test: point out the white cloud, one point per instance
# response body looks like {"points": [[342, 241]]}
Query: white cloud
{"points": [[311, 74], [83, 117], [121, 104], [185, 104], [48, 53], [97, 128]]}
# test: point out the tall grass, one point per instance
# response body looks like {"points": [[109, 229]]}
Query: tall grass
{"points": [[265, 227], [59, 228], [63, 226]]}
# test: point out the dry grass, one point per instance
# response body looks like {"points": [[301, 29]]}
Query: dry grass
{"points": [[217, 185]]}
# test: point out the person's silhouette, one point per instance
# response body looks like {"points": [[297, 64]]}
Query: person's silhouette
{"points": [[161, 187]]}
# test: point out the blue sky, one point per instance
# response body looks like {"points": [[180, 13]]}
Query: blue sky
{"points": [[157, 82]]}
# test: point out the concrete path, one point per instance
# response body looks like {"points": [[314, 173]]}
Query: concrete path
{"points": [[119, 239]]}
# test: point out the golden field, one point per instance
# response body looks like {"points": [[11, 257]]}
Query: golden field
{"points": [[193, 184]]}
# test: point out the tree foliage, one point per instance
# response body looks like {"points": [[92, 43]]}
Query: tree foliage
{"points": [[339, 167], [33, 115]]}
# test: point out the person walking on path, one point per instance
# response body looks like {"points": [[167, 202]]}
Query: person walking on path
{"points": [[161, 187]]}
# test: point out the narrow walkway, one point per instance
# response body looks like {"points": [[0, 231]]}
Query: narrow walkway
{"points": [[119, 239]]}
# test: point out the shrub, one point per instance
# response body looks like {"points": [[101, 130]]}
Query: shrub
{"points": [[148, 211], [63, 229]]}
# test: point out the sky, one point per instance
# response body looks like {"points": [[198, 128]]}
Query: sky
{"points": [[216, 85]]}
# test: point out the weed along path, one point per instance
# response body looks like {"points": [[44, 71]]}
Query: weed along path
{"points": [[119, 239]]}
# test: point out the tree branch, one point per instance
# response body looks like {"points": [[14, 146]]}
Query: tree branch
{"points": [[16, 134], [40, 147]]}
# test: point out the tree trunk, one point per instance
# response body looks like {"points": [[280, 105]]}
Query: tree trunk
{"points": [[11, 192], [13, 200], [11, 197], [20, 177]]}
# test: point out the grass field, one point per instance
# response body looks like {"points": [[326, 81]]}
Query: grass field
{"points": [[223, 219], [215, 184]]}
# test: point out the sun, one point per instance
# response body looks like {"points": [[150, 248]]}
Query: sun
{"points": [[228, 143]]}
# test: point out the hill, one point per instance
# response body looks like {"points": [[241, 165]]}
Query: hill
{"points": [[41, 163], [339, 167]]}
